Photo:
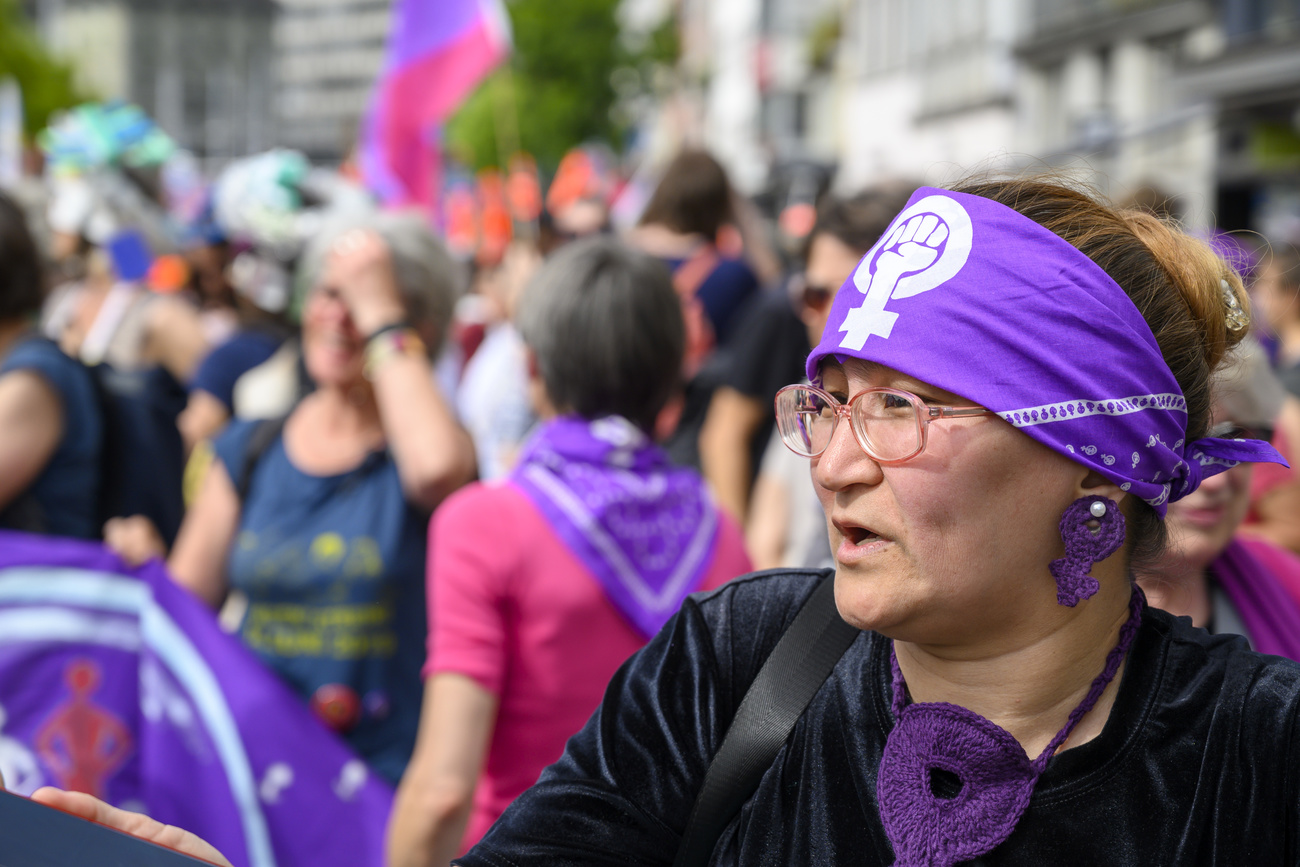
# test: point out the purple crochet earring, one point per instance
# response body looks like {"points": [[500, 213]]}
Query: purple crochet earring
{"points": [[1092, 529]]}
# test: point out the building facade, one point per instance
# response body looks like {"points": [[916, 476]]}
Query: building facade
{"points": [[203, 69], [1199, 99], [329, 53], [930, 88], [1098, 92], [1251, 86]]}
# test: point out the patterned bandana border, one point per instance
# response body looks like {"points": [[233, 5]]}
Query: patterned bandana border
{"points": [[1049, 342]]}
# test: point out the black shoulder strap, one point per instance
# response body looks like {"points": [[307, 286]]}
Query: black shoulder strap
{"points": [[258, 442], [791, 676]]}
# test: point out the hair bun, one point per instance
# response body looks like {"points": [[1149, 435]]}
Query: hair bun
{"points": [[1209, 286]]}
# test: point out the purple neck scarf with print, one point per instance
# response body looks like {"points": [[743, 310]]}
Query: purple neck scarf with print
{"points": [[645, 528], [970, 296]]}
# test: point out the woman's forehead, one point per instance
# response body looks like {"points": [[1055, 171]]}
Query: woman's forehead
{"points": [[861, 374]]}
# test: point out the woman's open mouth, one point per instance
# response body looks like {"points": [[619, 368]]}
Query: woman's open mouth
{"points": [[858, 541]]}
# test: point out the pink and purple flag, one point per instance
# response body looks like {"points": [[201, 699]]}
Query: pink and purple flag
{"points": [[438, 52], [117, 682]]}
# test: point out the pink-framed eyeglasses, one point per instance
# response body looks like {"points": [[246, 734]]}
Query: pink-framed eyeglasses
{"points": [[890, 425]]}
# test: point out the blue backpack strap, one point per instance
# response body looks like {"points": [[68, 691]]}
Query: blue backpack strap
{"points": [[266, 433], [796, 669]]}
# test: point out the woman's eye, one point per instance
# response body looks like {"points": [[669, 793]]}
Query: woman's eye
{"points": [[897, 401]]}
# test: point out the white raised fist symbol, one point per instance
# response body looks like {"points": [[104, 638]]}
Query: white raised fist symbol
{"points": [[911, 247], [928, 245]]}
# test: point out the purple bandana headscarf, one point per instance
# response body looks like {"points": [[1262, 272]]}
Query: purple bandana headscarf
{"points": [[972, 297], [645, 528]]}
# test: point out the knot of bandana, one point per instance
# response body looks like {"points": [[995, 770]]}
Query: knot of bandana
{"points": [[973, 297]]}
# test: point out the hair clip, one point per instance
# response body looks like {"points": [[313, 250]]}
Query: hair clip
{"points": [[1236, 317]]}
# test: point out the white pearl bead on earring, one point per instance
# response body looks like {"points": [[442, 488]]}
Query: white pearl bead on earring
{"points": [[1098, 509]]}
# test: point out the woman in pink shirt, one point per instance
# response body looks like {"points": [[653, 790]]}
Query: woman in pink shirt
{"points": [[542, 585]]}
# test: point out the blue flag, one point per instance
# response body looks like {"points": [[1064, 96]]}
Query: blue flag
{"points": [[116, 682]]}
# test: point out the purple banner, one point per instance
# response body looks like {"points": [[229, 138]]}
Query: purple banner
{"points": [[116, 682]]}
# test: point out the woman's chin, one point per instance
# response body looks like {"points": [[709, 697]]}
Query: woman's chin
{"points": [[334, 373], [862, 604]]}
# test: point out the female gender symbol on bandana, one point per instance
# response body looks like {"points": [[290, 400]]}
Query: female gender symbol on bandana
{"points": [[926, 247]]}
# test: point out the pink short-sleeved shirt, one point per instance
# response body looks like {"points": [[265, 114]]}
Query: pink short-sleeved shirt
{"points": [[512, 608]]}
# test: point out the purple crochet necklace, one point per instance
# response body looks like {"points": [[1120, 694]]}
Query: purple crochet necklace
{"points": [[952, 784]]}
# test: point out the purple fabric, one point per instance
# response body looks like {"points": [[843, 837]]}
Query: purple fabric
{"points": [[438, 52], [1085, 546], [1270, 613], [645, 528], [421, 28], [118, 682], [995, 776], [1045, 339]]}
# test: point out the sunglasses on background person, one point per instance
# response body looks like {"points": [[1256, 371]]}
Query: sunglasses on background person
{"points": [[811, 296]]}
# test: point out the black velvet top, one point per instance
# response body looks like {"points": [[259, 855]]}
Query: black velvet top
{"points": [[1197, 763]]}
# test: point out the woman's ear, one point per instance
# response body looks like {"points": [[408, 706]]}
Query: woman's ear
{"points": [[1094, 484]]}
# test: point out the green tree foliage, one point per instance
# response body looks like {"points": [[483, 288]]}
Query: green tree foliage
{"points": [[557, 90], [46, 83]]}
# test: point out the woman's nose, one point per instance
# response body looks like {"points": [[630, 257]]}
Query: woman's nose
{"points": [[844, 463]]}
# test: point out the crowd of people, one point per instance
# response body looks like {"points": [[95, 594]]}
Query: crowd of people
{"points": [[461, 506]]}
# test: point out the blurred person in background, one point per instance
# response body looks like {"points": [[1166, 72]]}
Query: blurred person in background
{"points": [[1277, 298], [264, 210], [683, 226], [771, 343], [540, 587], [1274, 512], [493, 399], [319, 519], [50, 424], [1224, 581], [102, 317], [257, 334], [107, 222]]}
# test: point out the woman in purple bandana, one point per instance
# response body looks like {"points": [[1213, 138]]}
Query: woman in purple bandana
{"points": [[1011, 389], [541, 586]]}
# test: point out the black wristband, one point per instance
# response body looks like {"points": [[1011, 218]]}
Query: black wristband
{"points": [[399, 325]]}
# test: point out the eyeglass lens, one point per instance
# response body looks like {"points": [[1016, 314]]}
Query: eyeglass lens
{"points": [[887, 423]]}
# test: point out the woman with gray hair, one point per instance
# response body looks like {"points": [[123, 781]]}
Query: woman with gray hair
{"points": [[541, 587], [319, 518]]}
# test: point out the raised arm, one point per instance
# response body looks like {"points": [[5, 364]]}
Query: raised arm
{"points": [[434, 454]]}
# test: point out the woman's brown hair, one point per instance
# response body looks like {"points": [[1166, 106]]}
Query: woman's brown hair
{"points": [[694, 197], [1176, 282]]}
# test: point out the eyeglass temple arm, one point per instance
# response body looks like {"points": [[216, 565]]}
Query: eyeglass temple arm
{"points": [[958, 411]]}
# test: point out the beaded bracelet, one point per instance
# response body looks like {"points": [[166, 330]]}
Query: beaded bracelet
{"points": [[391, 342], [384, 329]]}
